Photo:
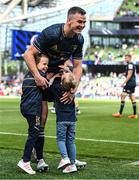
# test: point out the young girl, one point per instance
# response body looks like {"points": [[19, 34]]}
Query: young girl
{"points": [[31, 109]]}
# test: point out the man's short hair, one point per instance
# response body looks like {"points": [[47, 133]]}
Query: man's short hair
{"points": [[128, 55], [76, 9]]}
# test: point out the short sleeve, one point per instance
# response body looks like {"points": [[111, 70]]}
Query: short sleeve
{"points": [[130, 66], [78, 54], [43, 40]]}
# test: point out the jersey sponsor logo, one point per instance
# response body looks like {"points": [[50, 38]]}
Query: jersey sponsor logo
{"points": [[74, 47], [54, 47], [128, 91], [130, 66]]}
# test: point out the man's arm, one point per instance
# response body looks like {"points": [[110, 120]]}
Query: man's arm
{"points": [[129, 75], [30, 61], [77, 71]]}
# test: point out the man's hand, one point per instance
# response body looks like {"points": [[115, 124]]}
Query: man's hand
{"points": [[41, 82], [67, 97], [123, 84]]}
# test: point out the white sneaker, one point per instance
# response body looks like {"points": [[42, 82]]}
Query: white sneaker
{"points": [[26, 167], [80, 164], [65, 161], [69, 169], [42, 166]]}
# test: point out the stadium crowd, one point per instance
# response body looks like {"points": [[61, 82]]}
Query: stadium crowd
{"points": [[126, 11], [90, 87], [112, 55], [100, 86], [11, 88]]}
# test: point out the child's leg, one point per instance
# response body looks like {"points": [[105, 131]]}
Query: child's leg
{"points": [[61, 142], [40, 141], [71, 148], [61, 129], [40, 144], [44, 113], [70, 142], [33, 132]]}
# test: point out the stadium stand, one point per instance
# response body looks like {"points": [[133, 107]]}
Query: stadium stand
{"points": [[101, 17], [114, 37]]}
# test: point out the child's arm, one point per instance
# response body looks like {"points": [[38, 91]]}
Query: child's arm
{"points": [[51, 80], [65, 68]]}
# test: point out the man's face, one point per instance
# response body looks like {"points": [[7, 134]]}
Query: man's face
{"points": [[127, 59], [77, 22]]}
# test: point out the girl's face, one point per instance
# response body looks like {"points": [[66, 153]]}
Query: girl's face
{"points": [[65, 76], [43, 64]]}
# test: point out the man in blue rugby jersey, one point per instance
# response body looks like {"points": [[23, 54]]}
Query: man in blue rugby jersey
{"points": [[128, 88], [60, 42]]}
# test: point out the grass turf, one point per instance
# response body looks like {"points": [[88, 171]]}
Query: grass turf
{"points": [[106, 143]]}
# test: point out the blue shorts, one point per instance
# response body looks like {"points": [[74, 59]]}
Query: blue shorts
{"points": [[48, 95], [129, 89]]}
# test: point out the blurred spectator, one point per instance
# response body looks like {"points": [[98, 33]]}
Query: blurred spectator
{"points": [[10, 88], [89, 87], [136, 4]]}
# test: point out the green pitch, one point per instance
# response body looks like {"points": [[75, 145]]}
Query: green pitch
{"points": [[107, 144]]}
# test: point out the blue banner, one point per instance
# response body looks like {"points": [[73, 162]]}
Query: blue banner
{"points": [[20, 42]]}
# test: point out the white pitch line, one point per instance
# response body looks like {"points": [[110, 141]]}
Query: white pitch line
{"points": [[14, 110], [81, 139], [134, 163], [17, 134], [10, 110]]}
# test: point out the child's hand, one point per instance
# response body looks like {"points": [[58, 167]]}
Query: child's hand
{"points": [[64, 68], [49, 75], [123, 84], [73, 90]]}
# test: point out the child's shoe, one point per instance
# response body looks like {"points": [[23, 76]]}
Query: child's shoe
{"points": [[42, 166], [80, 164], [26, 167], [65, 161], [70, 169]]}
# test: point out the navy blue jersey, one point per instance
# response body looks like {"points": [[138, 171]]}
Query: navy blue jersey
{"points": [[58, 47], [31, 99], [64, 112], [132, 80]]}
